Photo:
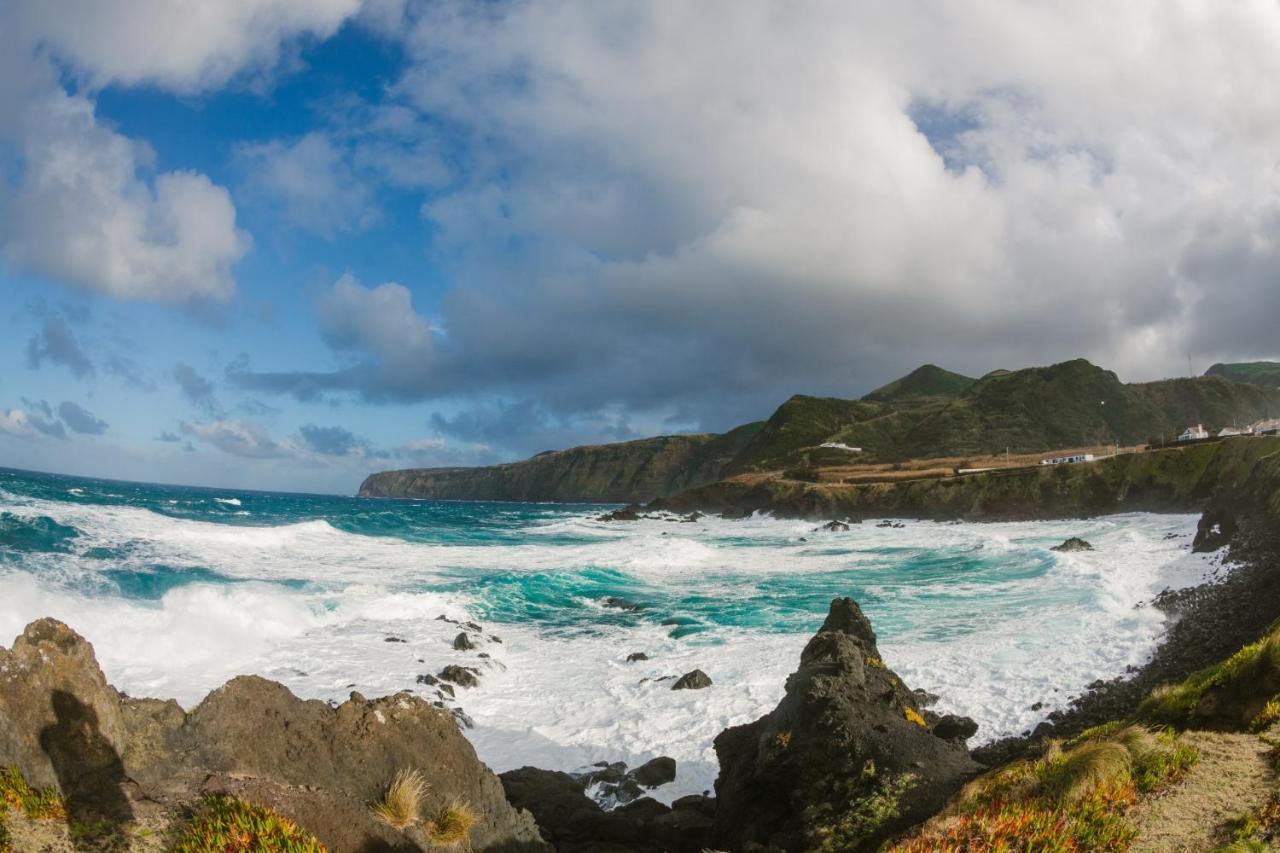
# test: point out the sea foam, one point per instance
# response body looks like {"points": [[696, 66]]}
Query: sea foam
{"points": [[983, 614]]}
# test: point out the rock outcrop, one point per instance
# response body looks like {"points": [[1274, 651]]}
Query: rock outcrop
{"points": [[845, 759], [62, 725], [577, 824]]}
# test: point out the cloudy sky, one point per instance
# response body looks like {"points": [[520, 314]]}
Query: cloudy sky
{"points": [[281, 243]]}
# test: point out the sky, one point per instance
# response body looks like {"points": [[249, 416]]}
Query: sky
{"points": [[280, 244]]}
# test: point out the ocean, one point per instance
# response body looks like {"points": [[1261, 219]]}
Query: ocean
{"points": [[180, 589]]}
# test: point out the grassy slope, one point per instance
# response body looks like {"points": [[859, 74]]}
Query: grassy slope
{"points": [[1178, 479], [1256, 372]]}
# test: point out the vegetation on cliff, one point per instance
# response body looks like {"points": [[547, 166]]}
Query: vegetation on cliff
{"points": [[931, 412], [1256, 372]]}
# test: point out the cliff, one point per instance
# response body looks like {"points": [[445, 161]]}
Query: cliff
{"points": [[606, 473], [1174, 480]]}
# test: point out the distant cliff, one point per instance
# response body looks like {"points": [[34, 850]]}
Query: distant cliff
{"points": [[627, 472], [931, 412]]}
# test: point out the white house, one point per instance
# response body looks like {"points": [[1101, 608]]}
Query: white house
{"points": [[1227, 432], [1068, 460], [1194, 433]]}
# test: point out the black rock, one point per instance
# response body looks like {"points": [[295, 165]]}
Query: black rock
{"points": [[695, 680], [924, 699], [636, 656], [1075, 543], [394, 640], [463, 676], [846, 729], [657, 771], [619, 603], [833, 527], [951, 727], [626, 514], [463, 643], [1037, 706], [699, 803]]}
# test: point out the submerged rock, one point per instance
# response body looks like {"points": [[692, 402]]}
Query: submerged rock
{"points": [[463, 643], [463, 676], [636, 656], [847, 739], [619, 603], [655, 772], [833, 527], [696, 680], [1075, 543]]}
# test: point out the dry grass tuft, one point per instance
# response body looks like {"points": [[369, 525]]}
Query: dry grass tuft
{"points": [[452, 825], [399, 805], [1086, 768]]}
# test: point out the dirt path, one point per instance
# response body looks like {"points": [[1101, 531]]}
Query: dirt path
{"points": [[1232, 776]]}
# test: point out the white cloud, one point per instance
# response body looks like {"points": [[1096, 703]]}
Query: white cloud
{"points": [[88, 211], [741, 195], [83, 214], [16, 422], [239, 438], [311, 184], [186, 46]]}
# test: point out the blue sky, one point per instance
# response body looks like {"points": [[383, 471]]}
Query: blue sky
{"points": [[281, 244]]}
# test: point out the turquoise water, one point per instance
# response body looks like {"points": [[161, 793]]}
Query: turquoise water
{"points": [[181, 588]]}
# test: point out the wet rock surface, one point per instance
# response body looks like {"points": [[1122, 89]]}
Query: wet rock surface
{"points": [[696, 680], [575, 823], [1075, 543]]}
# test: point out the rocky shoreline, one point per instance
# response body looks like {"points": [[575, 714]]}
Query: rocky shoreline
{"points": [[849, 758]]}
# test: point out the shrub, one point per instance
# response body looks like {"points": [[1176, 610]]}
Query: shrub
{"points": [[451, 825], [867, 814], [1252, 665], [1267, 717], [35, 803], [1067, 799], [399, 805], [230, 825], [914, 716]]}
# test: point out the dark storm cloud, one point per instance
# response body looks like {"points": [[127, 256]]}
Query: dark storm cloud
{"points": [[196, 388], [42, 418], [333, 440], [80, 420], [56, 343]]}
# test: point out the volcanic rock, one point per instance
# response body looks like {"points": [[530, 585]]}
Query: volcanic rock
{"points": [[696, 680], [1075, 543], [62, 725], [847, 733]]}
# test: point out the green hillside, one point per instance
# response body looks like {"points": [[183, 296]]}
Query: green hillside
{"points": [[926, 381], [1254, 372], [930, 412]]}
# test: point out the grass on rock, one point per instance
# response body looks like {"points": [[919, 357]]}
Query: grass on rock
{"points": [[399, 806], [230, 825], [451, 825]]}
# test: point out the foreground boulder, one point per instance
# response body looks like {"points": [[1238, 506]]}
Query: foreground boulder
{"points": [[110, 755], [844, 760]]}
